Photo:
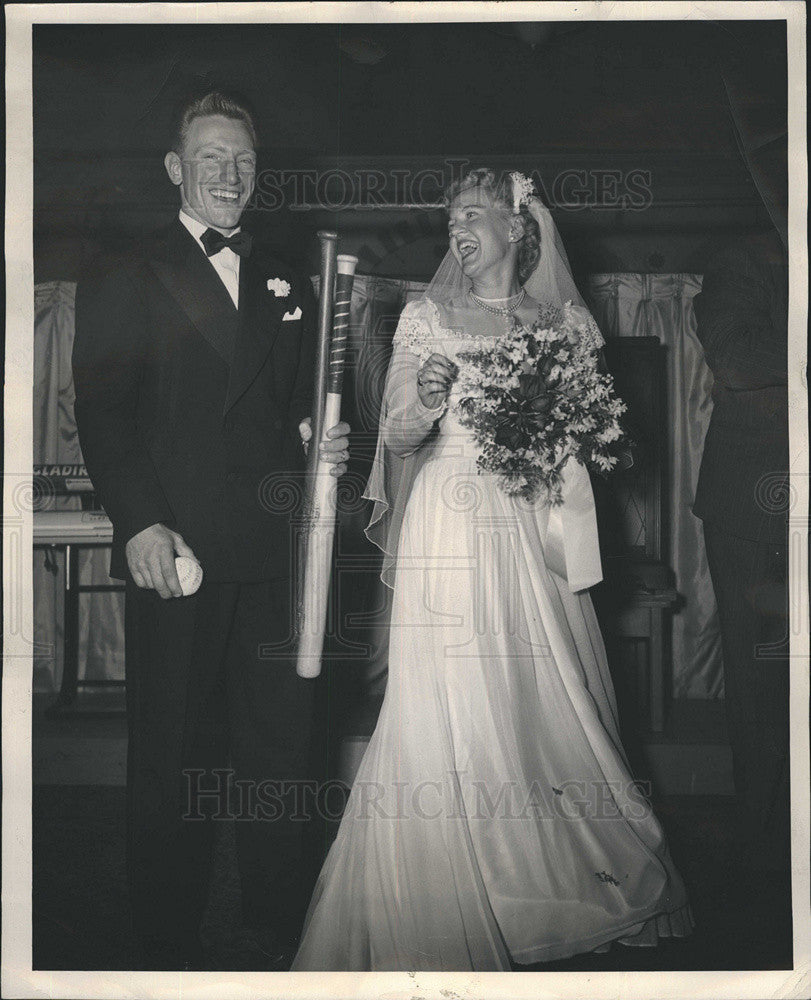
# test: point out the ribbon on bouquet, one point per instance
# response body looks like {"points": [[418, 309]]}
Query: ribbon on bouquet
{"points": [[572, 548]]}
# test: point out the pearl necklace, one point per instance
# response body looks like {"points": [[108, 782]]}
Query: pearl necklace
{"points": [[514, 300]]}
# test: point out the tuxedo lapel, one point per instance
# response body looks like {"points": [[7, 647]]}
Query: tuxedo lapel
{"points": [[189, 277], [259, 319]]}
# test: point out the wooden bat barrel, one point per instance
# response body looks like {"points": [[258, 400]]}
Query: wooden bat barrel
{"points": [[321, 511]]}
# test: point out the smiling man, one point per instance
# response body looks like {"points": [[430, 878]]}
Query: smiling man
{"points": [[193, 366], [215, 167]]}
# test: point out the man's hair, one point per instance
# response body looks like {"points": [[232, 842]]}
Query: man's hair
{"points": [[213, 102]]}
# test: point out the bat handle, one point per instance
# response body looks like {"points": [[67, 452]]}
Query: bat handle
{"points": [[344, 281], [329, 244]]}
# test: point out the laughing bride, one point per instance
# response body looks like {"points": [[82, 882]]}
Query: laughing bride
{"points": [[493, 821]]}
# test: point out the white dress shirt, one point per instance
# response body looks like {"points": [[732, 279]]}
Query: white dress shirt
{"points": [[226, 262]]}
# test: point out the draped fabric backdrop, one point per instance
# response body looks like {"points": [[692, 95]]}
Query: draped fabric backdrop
{"points": [[101, 616], [661, 305], [624, 305]]}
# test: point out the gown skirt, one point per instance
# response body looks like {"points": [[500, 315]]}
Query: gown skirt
{"points": [[493, 820]]}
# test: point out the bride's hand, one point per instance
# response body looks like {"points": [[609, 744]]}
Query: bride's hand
{"points": [[434, 380]]}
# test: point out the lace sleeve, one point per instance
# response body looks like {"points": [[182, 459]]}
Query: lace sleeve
{"points": [[415, 330], [592, 339], [405, 421]]}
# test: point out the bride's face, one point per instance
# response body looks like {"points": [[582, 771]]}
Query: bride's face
{"points": [[479, 230]]}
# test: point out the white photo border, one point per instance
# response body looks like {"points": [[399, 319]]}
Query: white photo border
{"points": [[18, 979]]}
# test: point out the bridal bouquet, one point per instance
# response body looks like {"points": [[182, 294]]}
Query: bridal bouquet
{"points": [[534, 399]]}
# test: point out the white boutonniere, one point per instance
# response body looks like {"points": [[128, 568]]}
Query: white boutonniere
{"points": [[279, 287]]}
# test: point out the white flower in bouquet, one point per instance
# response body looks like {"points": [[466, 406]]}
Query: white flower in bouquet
{"points": [[536, 398]]}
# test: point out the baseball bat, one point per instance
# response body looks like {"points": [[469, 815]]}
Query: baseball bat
{"points": [[320, 499]]}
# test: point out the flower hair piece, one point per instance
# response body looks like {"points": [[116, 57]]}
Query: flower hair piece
{"points": [[523, 190]]}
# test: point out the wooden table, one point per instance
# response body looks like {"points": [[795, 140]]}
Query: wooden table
{"points": [[70, 531]]}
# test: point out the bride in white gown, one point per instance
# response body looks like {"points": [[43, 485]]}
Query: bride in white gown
{"points": [[493, 820]]}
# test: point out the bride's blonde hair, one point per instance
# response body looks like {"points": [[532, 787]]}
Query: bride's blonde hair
{"points": [[501, 191]]}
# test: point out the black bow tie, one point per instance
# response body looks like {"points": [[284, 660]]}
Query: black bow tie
{"points": [[214, 241]]}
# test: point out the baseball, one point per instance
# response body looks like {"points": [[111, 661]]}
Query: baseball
{"points": [[190, 574]]}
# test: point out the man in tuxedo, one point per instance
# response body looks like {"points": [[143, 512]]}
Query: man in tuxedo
{"points": [[193, 364], [742, 498]]}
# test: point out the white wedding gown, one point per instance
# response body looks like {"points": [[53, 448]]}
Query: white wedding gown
{"points": [[493, 818]]}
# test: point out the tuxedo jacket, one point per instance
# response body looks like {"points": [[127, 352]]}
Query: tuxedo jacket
{"points": [[188, 409], [742, 323]]}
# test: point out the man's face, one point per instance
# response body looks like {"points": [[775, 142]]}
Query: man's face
{"points": [[216, 172]]}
